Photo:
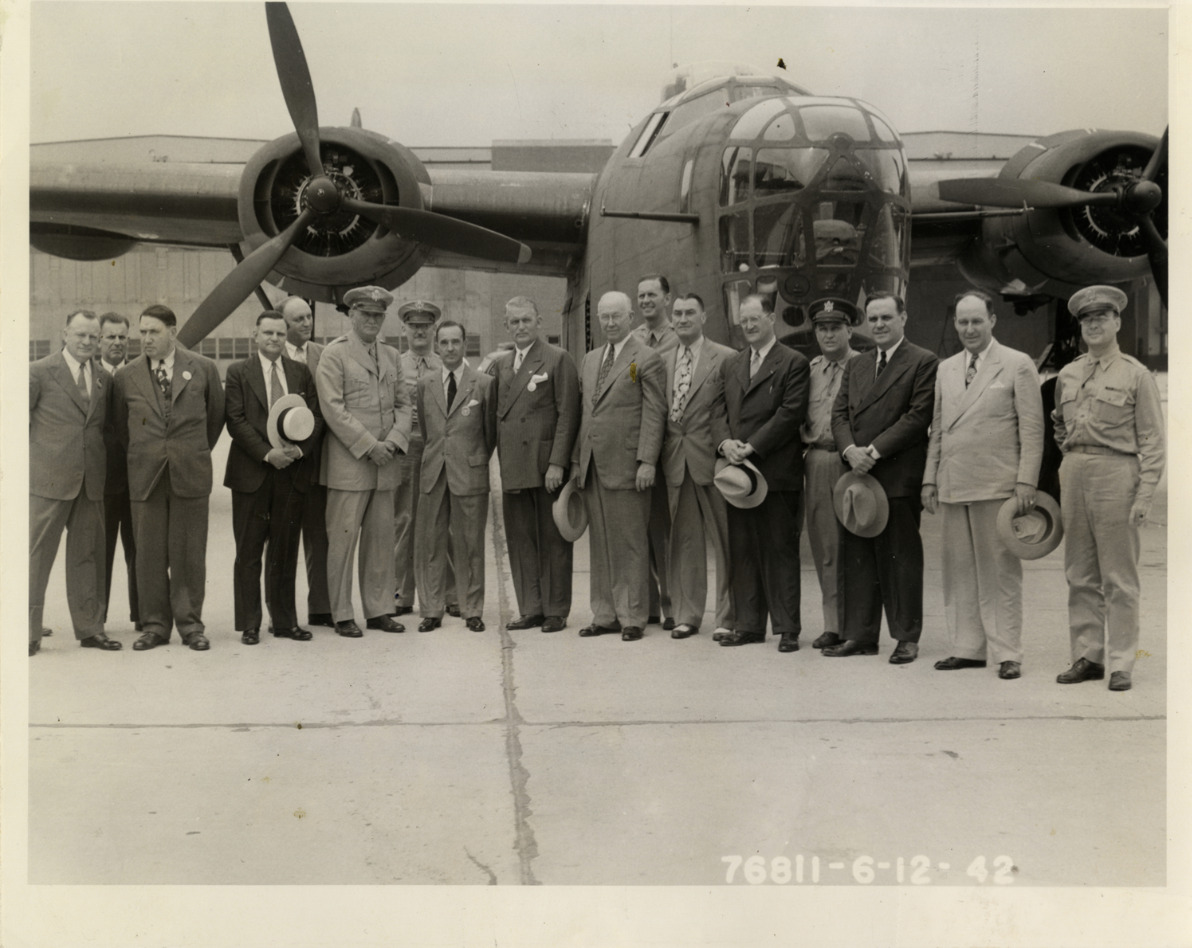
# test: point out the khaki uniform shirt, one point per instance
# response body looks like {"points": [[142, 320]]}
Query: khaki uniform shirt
{"points": [[660, 340], [413, 367], [825, 383]]}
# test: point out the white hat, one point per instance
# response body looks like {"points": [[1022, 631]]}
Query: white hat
{"points": [[289, 420]]}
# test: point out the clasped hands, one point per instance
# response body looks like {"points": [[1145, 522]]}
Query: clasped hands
{"points": [[284, 456]]}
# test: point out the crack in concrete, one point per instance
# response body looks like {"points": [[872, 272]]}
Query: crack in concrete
{"points": [[492, 876]]}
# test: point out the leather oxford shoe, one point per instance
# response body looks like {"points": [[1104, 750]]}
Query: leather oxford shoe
{"points": [[297, 634], [850, 647], [429, 624], [1120, 681], [526, 622], [589, 630], [197, 641], [1082, 670], [48, 631], [348, 629], [384, 624], [904, 653], [453, 611], [668, 624], [951, 663], [321, 618], [147, 641], [475, 623], [743, 638], [684, 631], [720, 633], [553, 624], [34, 648], [250, 637], [100, 640], [827, 640], [631, 633], [1008, 670], [788, 643]]}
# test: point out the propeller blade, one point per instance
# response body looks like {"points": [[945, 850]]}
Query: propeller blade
{"points": [[1158, 160], [236, 287], [1009, 192], [1157, 253], [445, 233], [296, 84]]}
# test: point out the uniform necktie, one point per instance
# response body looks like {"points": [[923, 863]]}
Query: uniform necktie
{"points": [[163, 381], [971, 373], [451, 389], [517, 361], [83, 390], [605, 367], [275, 391], [682, 384], [881, 361]]}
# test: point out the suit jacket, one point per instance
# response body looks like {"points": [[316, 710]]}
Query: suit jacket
{"points": [[247, 409], [988, 437], [626, 424], [460, 439], [892, 413], [66, 432], [362, 404], [535, 429], [768, 411], [180, 441], [689, 444], [117, 479]]}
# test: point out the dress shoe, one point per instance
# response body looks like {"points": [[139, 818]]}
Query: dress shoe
{"points": [[34, 648], [553, 624], [47, 632], [720, 633], [850, 647], [631, 633], [1009, 670], [788, 643], [348, 629], [402, 610], [743, 638], [475, 623], [147, 641], [321, 618], [297, 634], [668, 624], [429, 624], [384, 624], [951, 663], [526, 622], [453, 611], [827, 640], [100, 640], [589, 630], [684, 631], [904, 653], [1082, 670], [1120, 681], [250, 637], [197, 641]]}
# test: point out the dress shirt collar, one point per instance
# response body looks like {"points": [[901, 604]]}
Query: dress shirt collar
{"points": [[459, 372], [267, 365], [968, 356], [763, 351], [616, 348], [168, 360], [298, 353], [889, 352], [74, 364], [696, 348], [830, 364], [1105, 361]]}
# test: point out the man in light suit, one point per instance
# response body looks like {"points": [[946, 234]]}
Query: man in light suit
{"points": [[879, 423], [69, 400], [268, 483], [986, 446], [299, 347], [366, 409], [695, 390], [168, 412], [765, 399], [457, 412], [538, 414], [613, 463], [117, 508]]}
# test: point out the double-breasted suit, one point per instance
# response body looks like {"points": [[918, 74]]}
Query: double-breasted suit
{"points": [[766, 410], [621, 426], [314, 508], [891, 412], [985, 438], [168, 445], [538, 415], [267, 502], [453, 503], [67, 472], [365, 402], [698, 512]]}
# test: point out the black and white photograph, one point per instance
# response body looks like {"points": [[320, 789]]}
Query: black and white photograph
{"points": [[704, 469]]}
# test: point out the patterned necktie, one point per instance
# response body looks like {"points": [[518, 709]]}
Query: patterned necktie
{"points": [[83, 390], [881, 361], [275, 391], [605, 367], [755, 363], [451, 390], [163, 381], [682, 384], [972, 371], [517, 361]]}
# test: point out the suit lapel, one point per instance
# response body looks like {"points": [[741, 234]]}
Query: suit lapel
{"points": [[990, 368], [438, 392], [467, 382], [708, 360], [99, 378], [517, 381], [767, 369], [256, 381], [183, 366], [628, 354], [68, 381], [895, 367], [359, 352]]}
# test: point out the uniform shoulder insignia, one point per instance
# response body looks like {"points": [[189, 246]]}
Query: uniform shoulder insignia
{"points": [[1133, 361]]}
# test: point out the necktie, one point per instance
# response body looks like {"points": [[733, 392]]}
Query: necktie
{"points": [[972, 371], [451, 389], [163, 381], [881, 361], [755, 363], [83, 384], [300, 354], [605, 367], [517, 361], [275, 391], [682, 384]]}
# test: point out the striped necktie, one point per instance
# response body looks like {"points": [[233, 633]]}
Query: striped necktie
{"points": [[971, 373]]}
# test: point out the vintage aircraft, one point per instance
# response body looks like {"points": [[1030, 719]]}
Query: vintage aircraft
{"points": [[736, 184]]}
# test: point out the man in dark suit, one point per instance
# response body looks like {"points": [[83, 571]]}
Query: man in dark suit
{"points": [[117, 508], [299, 347], [614, 462], [168, 412], [538, 415], [879, 423], [268, 483], [69, 399], [765, 399]]}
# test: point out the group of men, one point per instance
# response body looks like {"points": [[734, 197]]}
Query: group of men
{"points": [[678, 446]]}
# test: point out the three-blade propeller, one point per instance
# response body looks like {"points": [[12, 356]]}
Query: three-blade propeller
{"points": [[323, 195]]}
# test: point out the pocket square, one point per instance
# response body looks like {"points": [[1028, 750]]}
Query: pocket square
{"points": [[472, 403]]}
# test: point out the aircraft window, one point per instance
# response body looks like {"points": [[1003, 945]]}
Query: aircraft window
{"points": [[752, 122], [734, 175], [649, 133], [734, 242], [685, 186], [884, 132], [734, 292], [886, 245], [844, 176], [781, 129], [821, 122], [885, 164], [786, 169], [778, 238], [838, 235]]}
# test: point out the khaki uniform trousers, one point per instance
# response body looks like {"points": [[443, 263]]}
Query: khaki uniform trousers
{"points": [[698, 517], [366, 515], [821, 470]]}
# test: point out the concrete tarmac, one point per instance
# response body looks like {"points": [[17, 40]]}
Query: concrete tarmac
{"points": [[503, 757]]}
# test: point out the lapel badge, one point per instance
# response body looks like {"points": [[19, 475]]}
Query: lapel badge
{"points": [[186, 375], [633, 372]]}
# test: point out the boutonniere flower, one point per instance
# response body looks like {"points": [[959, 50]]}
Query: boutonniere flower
{"points": [[535, 379], [633, 372]]}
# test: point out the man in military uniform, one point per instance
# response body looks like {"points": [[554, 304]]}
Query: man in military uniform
{"points": [[366, 408], [1109, 425], [833, 320]]}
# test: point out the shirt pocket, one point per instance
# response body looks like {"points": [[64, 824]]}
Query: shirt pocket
{"points": [[1113, 407]]}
